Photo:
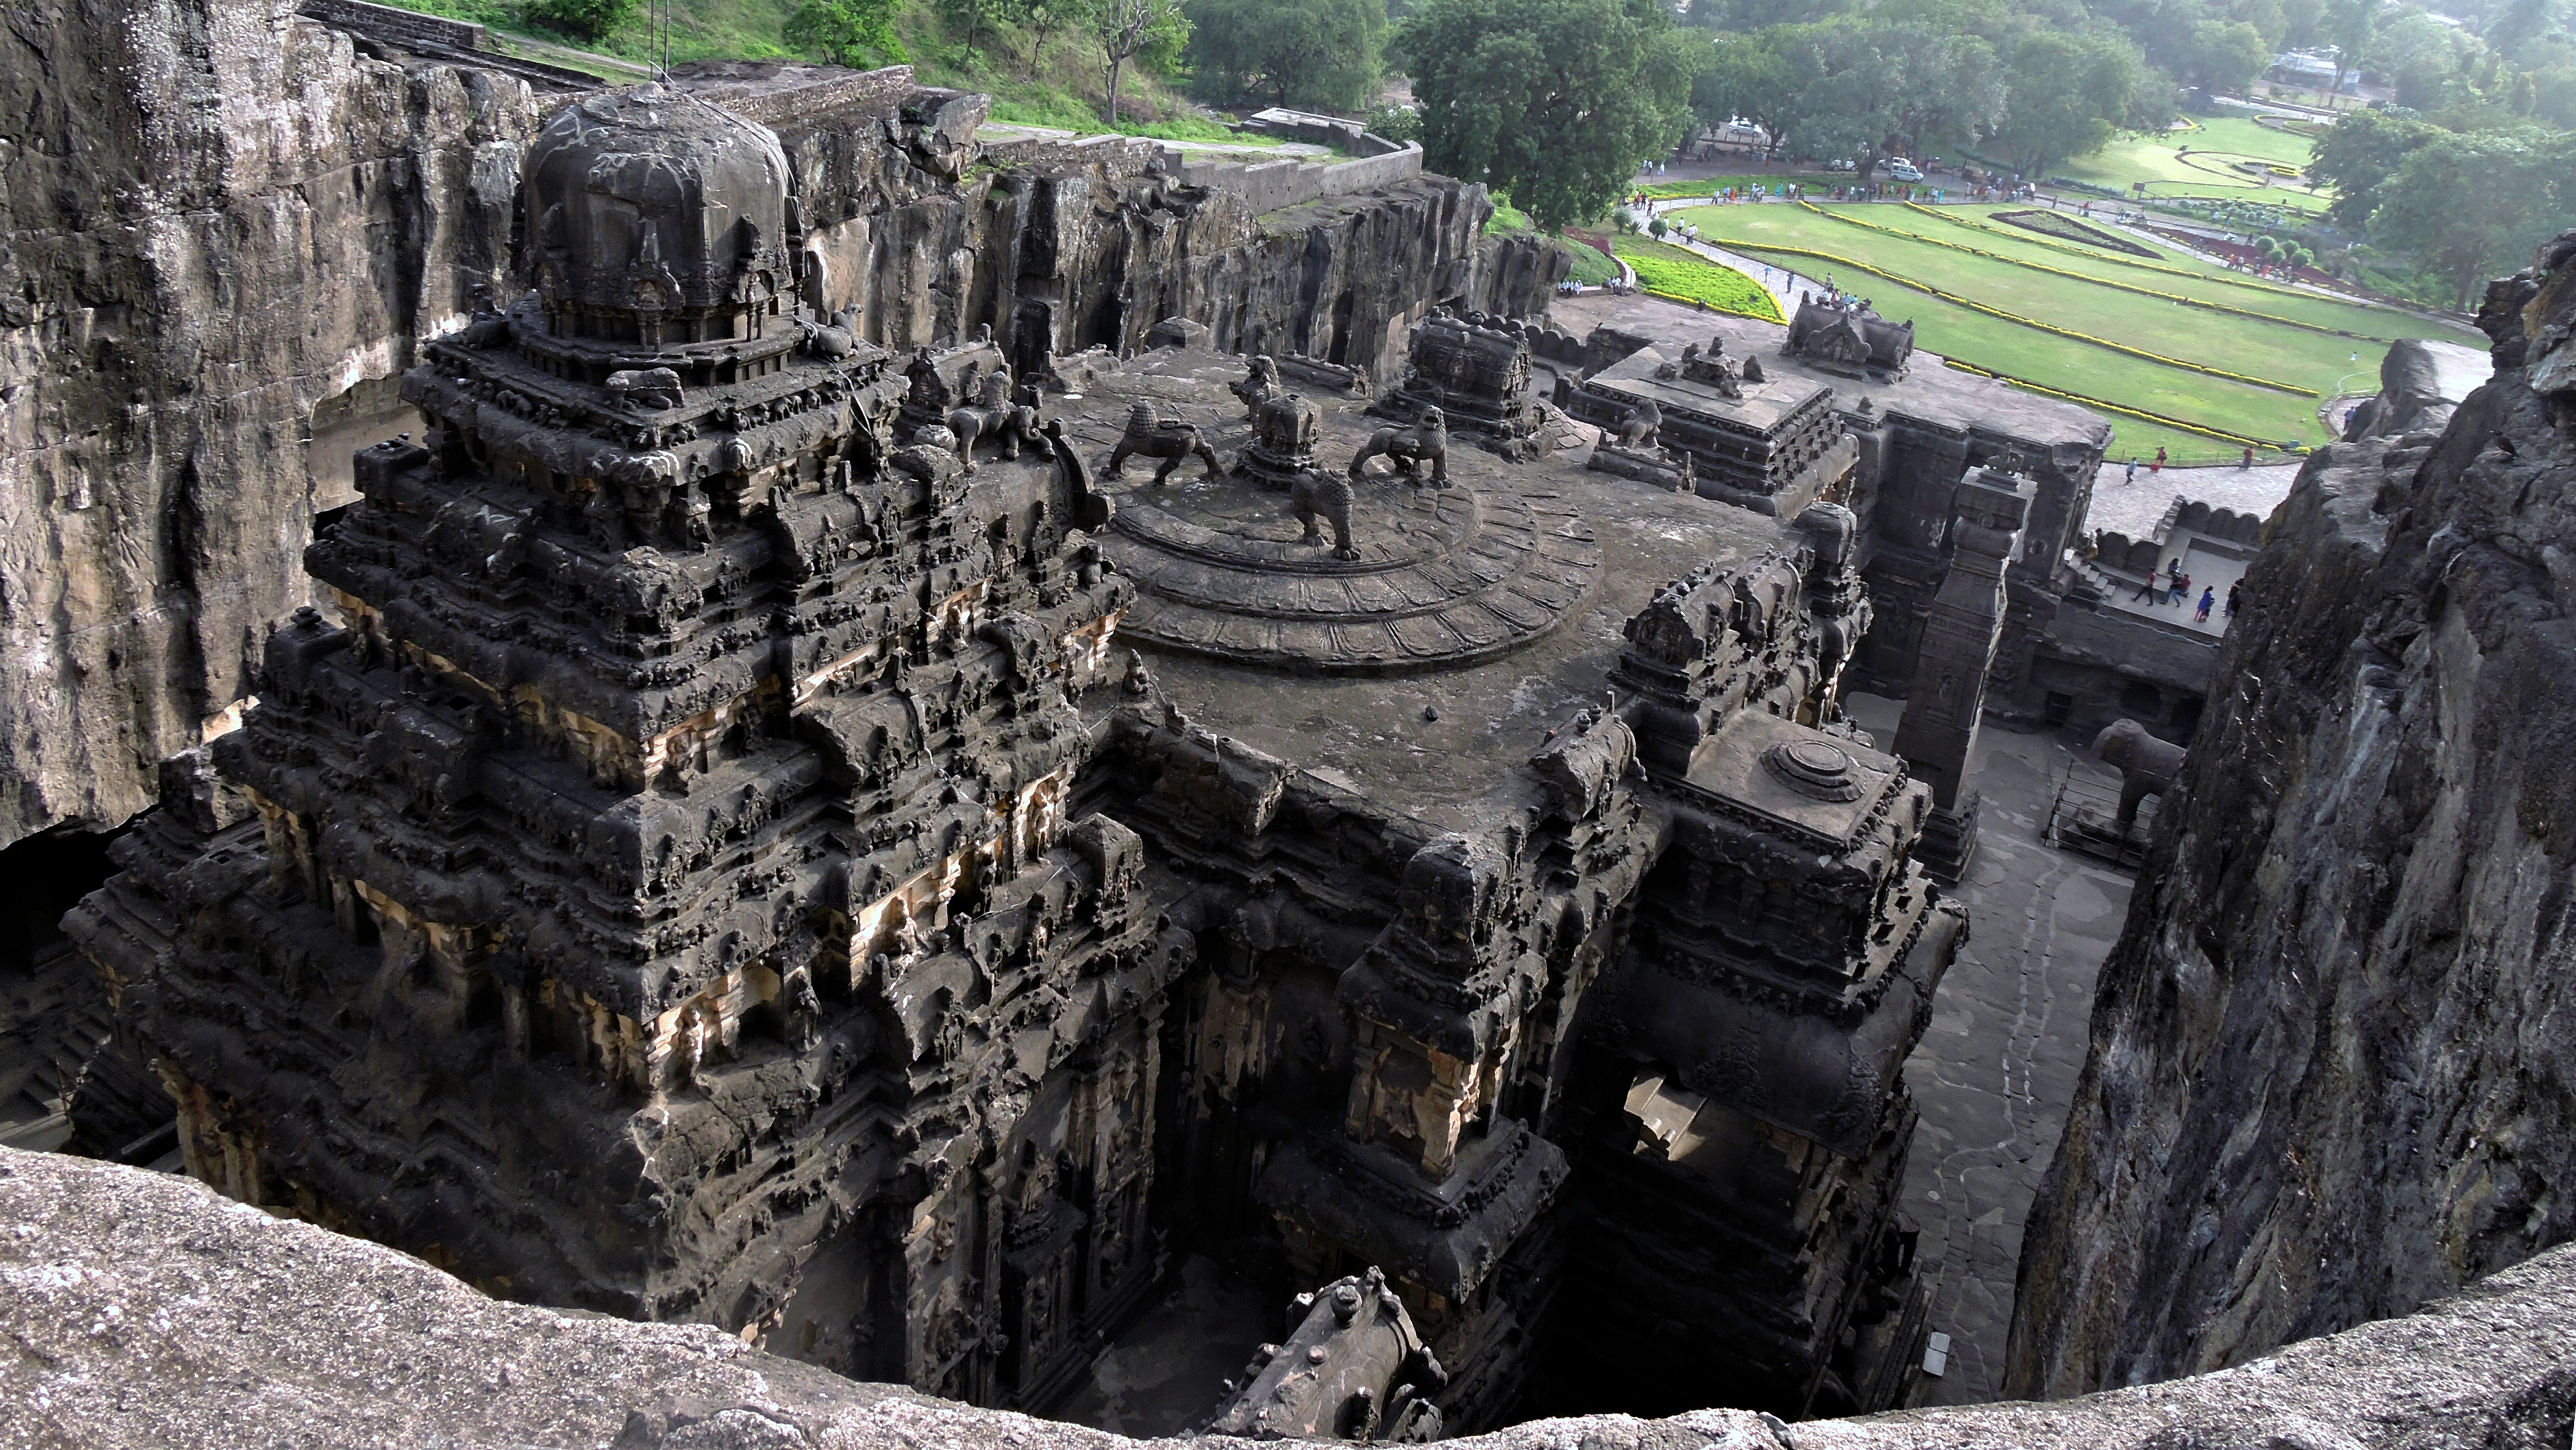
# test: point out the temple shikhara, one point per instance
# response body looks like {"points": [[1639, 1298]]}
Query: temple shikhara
{"points": [[885, 845]]}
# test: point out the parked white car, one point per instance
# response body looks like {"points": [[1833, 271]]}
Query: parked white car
{"points": [[1904, 170]]}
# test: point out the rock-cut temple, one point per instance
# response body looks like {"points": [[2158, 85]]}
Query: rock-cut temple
{"points": [[848, 846]]}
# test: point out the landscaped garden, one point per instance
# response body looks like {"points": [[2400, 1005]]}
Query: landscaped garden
{"points": [[2210, 161], [1680, 275], [2178, 338]]}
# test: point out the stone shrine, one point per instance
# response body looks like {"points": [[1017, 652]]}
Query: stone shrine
{"points": [[1477, 373], [664, 894]]}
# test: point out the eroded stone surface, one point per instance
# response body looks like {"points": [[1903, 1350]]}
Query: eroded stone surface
{"points": [[153, 1314], [2329, 1077]]}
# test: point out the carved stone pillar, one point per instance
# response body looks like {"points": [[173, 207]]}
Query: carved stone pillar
{"points": [[1939, 731]]}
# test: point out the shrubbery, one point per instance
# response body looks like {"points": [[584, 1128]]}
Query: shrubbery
{"points": [[585, 19], [1689, 277]]}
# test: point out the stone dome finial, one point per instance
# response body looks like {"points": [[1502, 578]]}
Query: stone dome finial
{"points": [[656, 218]]}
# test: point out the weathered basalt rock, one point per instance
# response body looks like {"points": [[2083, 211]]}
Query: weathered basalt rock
{"points": [[172, 182], [2331, 1075], [156, 1316], [214, 217]]}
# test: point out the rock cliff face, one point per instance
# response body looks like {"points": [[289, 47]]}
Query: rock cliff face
{"points": [[219, 218], [2333, 1066], [213, 217]]}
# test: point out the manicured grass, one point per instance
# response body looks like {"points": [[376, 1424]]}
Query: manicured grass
{"points": [[2196, 163], [2239, 344], [1675, 272], [1591, 268], [2225, 287]]}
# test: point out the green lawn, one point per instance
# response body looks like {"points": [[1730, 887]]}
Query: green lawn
{"points": [[2196, 163], [1677, 272], [2311, 360]]}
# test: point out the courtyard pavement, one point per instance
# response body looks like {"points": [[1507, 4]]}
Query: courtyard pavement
{"points": [[2134, 509], [1997, 1070]]}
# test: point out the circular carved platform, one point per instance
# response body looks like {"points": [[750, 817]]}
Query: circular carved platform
{"points": [[1445, 576]]}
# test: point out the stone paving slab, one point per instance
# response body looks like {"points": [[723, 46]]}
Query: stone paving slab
{"points": [[1995, 1073]]}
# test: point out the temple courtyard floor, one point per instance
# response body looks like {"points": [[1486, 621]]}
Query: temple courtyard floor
{"points": [[1995, 1073]]}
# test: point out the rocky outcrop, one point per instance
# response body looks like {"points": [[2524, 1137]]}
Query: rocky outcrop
{"points": [[213, 216], [219, 217], [151, 1313], [2332, 1072]]}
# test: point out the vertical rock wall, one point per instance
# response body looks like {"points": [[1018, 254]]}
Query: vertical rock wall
{"points": [[2333, 1066], [213, 216]]}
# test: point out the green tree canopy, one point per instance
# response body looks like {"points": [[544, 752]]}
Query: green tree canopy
{"points": [[2358, 153], [1317, 53], [2068, 93], [2471, 205], [585, 19], [1553, 101], [855, 33]]}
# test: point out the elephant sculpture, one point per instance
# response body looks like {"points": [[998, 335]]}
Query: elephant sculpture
{"points": [[1317, 497], [1427, 441], [2148, 766], [993, 414], [1155, 436]]}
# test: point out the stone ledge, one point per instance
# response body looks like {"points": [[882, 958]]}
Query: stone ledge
{"points": [[149, 1312]]}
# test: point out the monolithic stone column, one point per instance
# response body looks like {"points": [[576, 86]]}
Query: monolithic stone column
{"points": [[1940, 725]]}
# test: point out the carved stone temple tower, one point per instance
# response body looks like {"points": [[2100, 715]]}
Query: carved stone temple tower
{"points": [[661, 895], [1939, 730]]}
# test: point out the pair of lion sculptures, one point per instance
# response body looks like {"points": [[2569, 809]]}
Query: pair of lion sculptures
{"points": [[1314, 497]]}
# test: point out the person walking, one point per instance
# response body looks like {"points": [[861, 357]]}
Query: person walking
{"points": [[2132, 476], [2149, 592], [2159, 465], [2173, 571], [2247, 461], [2181, 592], [2208, 597], [2232, 591]]}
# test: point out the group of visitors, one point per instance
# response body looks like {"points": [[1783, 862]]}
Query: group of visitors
{"points": [[2176, 587]]}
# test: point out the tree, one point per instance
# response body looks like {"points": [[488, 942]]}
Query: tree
{"points": [[1129, 29], [2359, 152], [2465, 204], [1316, 53], [2068, 93], [2226, 56], [971, 20], [856, 33], [2349, 26], [587, 19], [1553, 101], [1038, 19], [1752, 79]]}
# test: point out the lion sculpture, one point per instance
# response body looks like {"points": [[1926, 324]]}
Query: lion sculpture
{"points": [[993, 414], [1155, 436], [1319, 497], [1427, 441]]}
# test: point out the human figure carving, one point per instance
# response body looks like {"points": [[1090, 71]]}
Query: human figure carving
{"points": [[1155, 436], [1427, 441], [1258, 384], [1315, 497], [2148, 766]]}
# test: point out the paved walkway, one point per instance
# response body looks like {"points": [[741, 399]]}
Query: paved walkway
{"points": [[1995, 1074], [2134, 508]]}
